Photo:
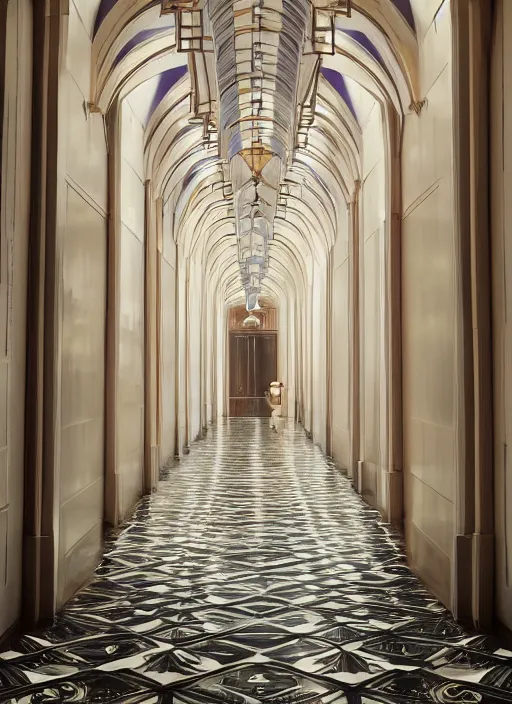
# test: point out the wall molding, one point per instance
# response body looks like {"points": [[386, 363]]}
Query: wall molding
{"points": [[85, 196]]}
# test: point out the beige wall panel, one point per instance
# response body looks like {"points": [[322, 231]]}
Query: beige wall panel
{"points": [[4, 477], [371, 291], [132, 172], [430, 452], [133, 139], [340, 364], [429, 310], [86, 149], [130, 455], [427, 151], [373, 200], [130, 398], [373, 146], [87, 11], [436, 48], [319, 357], [130, 390], [4, 553], [340, 251], [286, 351], [82, 387], [429, 315], [80, 514], [194, 350], [168, 361], [83, 331], [429, 562], [501, 204], [78, 48], [132, 201], [168, 244], [195, 383], [181, 337], [82, 456], [362, 98], [431, 513], [15, 123], [79, 562], [372, 346], [4, 400], [83, 317], [425, 12], [504, 479]]}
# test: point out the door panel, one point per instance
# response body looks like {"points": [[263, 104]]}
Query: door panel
{"points": [[252, 367]]}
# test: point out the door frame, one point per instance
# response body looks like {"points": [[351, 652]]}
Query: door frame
{"points": [[255, 333]]}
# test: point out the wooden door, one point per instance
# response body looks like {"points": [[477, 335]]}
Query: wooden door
{"points": [[252, 367]]}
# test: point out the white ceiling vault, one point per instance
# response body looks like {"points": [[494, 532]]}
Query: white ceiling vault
{"points": [[252, 112]]}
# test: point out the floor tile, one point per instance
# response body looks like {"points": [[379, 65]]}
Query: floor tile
{"points": [[255, 575]]}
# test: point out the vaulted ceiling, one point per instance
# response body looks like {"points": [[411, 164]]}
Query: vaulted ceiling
{"points": [[252, 112]]}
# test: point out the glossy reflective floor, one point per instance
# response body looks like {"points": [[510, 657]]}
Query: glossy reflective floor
{"points": [[256, 574]]}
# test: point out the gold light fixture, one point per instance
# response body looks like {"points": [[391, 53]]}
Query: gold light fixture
{"points": [[251, 322]]}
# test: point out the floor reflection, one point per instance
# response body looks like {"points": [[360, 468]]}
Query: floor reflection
{"points": [[255, 575]]}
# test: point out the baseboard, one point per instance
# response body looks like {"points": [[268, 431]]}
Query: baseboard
{"points": [[395, 494], [462, 598], [155, 467], [483, 585], [10, 634], [504, 633], [473, 590], [429, 563], [373, 485], [359, 477]]}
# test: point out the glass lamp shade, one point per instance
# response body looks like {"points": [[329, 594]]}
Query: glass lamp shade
{"points": [[276, 393], [251, 322]]}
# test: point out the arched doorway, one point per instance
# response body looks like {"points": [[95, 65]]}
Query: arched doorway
{"points": [[252, 359]]}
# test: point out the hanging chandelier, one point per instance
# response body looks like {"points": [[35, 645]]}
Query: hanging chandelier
{"points": [[266, 58]]}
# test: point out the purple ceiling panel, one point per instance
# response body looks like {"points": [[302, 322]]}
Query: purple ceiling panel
{"points": [[136, 40], [103, 10], [202, 164], [361, 38], [405, 9], [107, 5], [166, 82], [337, 81]]}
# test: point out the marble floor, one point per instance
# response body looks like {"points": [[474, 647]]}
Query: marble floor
{"points": [[255, 575]]}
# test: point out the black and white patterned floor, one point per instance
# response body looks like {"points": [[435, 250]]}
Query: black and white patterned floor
{"points": [[255, 575]]}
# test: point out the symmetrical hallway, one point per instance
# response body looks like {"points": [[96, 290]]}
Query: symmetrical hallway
{"points": [[255, 574]]}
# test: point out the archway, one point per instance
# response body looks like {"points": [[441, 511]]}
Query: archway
{"points": [[253, 359]]}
